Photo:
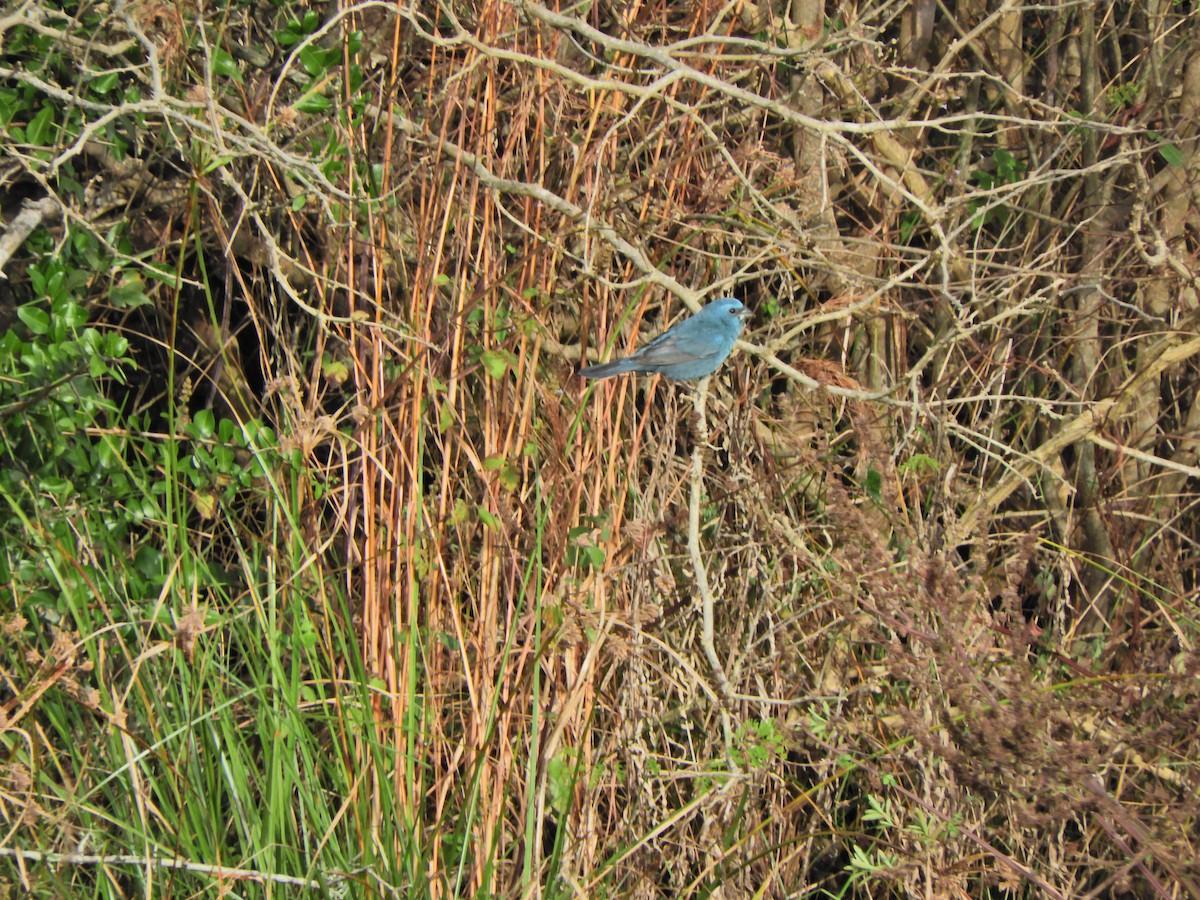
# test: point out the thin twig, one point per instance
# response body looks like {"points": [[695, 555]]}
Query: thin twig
{"points": [[707, 635]]}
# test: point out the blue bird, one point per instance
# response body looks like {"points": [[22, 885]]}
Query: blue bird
{"points": [[691, 350]]}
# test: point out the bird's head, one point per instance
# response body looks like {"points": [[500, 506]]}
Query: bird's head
{"points": [[728, 306]]}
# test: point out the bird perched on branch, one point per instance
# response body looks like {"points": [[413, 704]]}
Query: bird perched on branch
{"points": [[688, 351]]}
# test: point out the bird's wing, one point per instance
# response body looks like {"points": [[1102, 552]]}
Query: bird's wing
{"points": [[678, 345]]}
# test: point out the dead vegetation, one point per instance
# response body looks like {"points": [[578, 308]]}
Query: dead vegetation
{"points": [[948, 501]]}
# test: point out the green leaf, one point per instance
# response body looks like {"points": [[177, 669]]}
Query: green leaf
{"points": [[54, 285], [1171, 155], [873, 485], [204, 424], [206, 504], [59, 487], [41, 127], [216, 162], [496, 362], [560, 776], [334, 369], [105, 82], [314, 59], [160, 272], [508, 476], [312, 102], [129, 292], [1169, 152], [116, 346], [35, 318], [97, 366], [919, 464], [106, 454], [73, 315], [305, 634], [225, 65], [149, 561], [10, 104]]}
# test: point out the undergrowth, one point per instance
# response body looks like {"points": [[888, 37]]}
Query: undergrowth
{"points": [[322, 572]]}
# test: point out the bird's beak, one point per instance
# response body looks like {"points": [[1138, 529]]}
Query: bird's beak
{"points": [[744, 314]]}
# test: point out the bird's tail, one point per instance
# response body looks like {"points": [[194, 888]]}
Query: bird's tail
{"points": [[604, 370]]}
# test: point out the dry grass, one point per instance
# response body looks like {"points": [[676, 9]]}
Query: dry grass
{"points": [[949, 488], [996, 675]]}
